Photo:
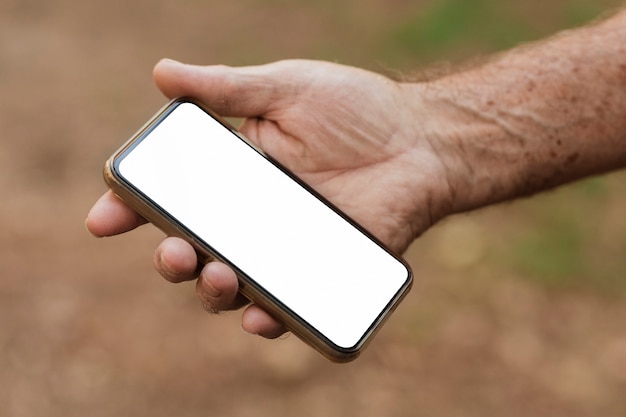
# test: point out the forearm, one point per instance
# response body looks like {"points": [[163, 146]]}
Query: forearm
{"points": [[533, 118]]}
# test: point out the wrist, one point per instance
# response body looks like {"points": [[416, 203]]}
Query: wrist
{"points": [[478, 158], [528, 120]]}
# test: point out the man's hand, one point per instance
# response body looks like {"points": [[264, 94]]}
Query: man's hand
{"points": [[347, 132]]}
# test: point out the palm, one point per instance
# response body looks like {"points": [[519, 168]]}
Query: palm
{"points": [[347, 156]]}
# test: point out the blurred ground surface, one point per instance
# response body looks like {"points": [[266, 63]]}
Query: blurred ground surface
{"points": [[518, 310]]}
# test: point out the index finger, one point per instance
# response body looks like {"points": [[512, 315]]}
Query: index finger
{"points": [[111, 216]]}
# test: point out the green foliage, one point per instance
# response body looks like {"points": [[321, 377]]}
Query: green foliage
{"points": [[563, 240], [552, 254], [458, 29], [578, 12], [449, 23]]}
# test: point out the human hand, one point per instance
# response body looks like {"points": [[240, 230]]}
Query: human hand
{"points": [[347, 132]]}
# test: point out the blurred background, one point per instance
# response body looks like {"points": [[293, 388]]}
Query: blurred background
{"points": [[517, 310]]}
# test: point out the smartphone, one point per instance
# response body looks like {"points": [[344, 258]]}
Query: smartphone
{"points": [[295, 254]]}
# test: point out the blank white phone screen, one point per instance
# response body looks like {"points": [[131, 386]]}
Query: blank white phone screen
{"points": [[261, 220]]}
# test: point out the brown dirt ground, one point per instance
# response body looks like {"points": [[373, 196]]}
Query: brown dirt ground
{"points": [[88, 329]]}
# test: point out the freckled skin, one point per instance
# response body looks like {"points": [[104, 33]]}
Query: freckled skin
{"points": [[554, 111], [572, 158]]}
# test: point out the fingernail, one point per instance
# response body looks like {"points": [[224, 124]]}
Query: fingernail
{"points": [[86, 224], [164, 267], [209, 289], [171, 61]]}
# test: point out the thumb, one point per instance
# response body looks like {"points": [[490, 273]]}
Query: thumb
{"points": [[233, 92]]}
